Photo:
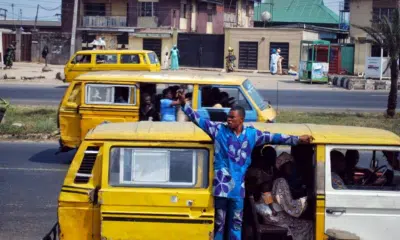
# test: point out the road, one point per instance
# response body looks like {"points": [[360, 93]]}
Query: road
{"points": [[30, 180], [323, 99]]}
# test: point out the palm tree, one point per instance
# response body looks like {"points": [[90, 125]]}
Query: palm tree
{"points": [[385, 32]]}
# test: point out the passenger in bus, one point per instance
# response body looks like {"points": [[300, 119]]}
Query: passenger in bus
{"points": [[167, 106], [338, 167], [148, 111], [288, 209], [259, 178], [233, 143]]}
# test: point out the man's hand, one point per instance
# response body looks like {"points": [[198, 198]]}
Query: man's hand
{"points": [[180, 94], [305, 139]]}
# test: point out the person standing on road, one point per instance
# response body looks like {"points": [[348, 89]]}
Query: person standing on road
{"points": [[233, 145], [174, 58], [273, 66]]}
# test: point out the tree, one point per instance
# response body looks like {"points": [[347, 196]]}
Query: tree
{"points": [[385, 32]]}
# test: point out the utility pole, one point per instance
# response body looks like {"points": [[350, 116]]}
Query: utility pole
{"points": [[74, 23], [13, 16], [37, 13]]}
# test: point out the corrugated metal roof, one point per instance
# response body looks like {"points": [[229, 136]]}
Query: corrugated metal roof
{"points": [[30, 23], [296, 11]]}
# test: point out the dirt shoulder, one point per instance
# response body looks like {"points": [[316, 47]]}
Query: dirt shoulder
{"points": [[39, 123]]}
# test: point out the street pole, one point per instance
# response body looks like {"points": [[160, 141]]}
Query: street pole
{"points": [[37, 13], [74, 23]]}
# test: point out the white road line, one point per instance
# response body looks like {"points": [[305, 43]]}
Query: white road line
{"points": [[34, 169]]}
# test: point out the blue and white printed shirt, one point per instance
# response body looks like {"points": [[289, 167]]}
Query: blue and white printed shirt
{"points": [[232, 154]]}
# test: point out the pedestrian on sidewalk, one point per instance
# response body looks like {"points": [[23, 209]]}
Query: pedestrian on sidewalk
{"points": [[166, 59], [233, 144], [280, 59], [9, 56], [273, 62], [175, 58]]}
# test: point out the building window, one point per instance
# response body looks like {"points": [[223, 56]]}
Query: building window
{"points": [[184, 10], [209, 17], [147, 9], [378, 13], [95, 9], [376, 51]]}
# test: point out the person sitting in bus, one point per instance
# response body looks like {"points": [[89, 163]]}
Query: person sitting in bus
{"points": [[259, 178], [288, 210], [148, 111], [338, 167]]}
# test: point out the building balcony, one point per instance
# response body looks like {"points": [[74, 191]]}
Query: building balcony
{"points": [[148, 22], [104, 21]]}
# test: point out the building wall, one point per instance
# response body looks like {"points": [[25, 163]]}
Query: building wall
{"points": [[58, 44], [360, 14], [67, 9], [168, 14], [293, 36]]}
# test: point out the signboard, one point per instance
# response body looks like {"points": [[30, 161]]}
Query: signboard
{"points": [[320, 71], [373, 67], [151, 35], [303, 69]]}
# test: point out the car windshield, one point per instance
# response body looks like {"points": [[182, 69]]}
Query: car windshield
{"points": [[255, 95], [153, 58]]}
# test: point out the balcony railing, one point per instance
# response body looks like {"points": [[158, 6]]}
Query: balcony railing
{"points": [[104, 21]]}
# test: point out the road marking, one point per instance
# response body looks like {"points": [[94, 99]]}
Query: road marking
{"points": [[34, 169]]}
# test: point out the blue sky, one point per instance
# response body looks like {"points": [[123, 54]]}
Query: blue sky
{"points": [[47, 10], [51, 7]]}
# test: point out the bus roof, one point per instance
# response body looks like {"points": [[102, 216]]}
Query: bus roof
{"points": [[187, 131], [112, 51], [141, 76], [148, 131]]}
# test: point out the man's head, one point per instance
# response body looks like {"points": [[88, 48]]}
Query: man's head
{"points": [[167, 93], [338, 162], [236, 117], [146, 99]]}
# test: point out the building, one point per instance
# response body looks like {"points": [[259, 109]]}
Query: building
{"points": [[362, 13], [253, 46], [196, 25], [305, 14]]}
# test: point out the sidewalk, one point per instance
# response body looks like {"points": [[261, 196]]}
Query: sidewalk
{"points": [[262, 81]]}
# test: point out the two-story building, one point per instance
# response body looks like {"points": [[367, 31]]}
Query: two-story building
{"points": [[197, 26], [362, 13]]}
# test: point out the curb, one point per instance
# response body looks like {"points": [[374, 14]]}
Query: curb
{"points": [[355, 83]]}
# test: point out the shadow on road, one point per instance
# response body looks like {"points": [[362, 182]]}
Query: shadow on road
{"points": [[49, 156], [61, 86]]}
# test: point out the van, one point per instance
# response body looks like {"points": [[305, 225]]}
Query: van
{"points": [[152, 180], [106, 60], [115, 96]]}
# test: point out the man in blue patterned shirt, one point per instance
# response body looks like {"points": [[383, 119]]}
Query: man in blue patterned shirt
{"points": [[233, 144]]}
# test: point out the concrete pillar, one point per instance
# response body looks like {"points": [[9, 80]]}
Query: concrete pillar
{"points": [[35, 49], [18, 39], [175, 36]]}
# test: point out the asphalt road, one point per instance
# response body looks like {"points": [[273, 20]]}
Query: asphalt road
{"points": [[31, 177], [286, 99]]}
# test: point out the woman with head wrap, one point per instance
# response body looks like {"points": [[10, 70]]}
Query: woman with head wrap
{"points": [[273, 66], [288, 210], [174, 58]]}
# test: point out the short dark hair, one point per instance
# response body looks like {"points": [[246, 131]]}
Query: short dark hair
{"points": [[240, 110], [166, 91]]}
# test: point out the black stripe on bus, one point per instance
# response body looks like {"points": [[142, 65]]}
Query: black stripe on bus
{"points": [[146, 214], [70, 191], [157, 220], [82, 188]]}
